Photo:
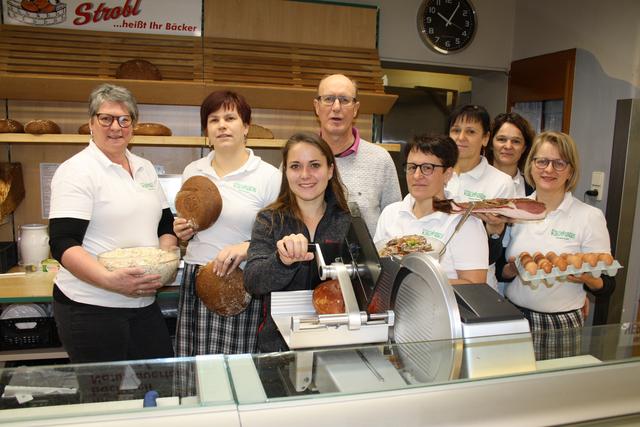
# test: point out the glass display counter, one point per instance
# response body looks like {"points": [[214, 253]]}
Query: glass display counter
{"points": [[503, 380]]}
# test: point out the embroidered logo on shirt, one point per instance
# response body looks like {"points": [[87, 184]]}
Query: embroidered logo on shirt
{"points": [[432, 233], [148, 185], [245, 188], [562, 235], [474, 195]]}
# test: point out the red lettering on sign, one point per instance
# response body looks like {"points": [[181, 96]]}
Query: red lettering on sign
{"points": [[85, 12]]}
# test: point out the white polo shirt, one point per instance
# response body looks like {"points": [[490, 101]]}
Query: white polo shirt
{"points": [[244, 192], [573, 227], [468, 250], [122, 212], [480, 183]]}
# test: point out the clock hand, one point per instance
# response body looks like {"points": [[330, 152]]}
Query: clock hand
{"points": [[454, 12], [445, 19]]}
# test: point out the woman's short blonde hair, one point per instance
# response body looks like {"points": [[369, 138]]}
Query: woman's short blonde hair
{"points": [[568, 152]]}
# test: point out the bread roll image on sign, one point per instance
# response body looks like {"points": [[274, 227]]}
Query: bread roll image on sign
{"points": [[224, 295], [199, 202], [327, 298]]}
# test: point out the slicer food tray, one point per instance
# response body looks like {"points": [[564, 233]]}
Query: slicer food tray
{"points": [[285, 306]]}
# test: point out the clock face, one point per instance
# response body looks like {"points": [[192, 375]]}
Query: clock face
{"points": [[447, 26]]}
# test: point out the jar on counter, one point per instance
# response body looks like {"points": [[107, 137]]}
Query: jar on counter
{"points": [[33, 244]]}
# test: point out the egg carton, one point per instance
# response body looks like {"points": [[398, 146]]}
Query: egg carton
{"points": [[549, 279]]}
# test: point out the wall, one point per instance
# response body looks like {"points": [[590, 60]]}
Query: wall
{"points": [[490, 50]]}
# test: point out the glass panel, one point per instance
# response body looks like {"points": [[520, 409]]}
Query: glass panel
{"points": [[543, 115]]}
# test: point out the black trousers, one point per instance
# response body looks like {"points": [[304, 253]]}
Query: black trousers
{"points": [[93, 333]]}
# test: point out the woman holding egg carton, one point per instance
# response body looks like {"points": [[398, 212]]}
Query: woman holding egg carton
{"points": [[571, 227]]}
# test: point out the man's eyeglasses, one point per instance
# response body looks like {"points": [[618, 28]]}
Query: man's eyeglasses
{"points": [[558, 164], [107, 119], [425, 168], [329, 100]]}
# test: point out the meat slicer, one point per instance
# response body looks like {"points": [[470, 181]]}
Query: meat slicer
{"points": [[444, 332]]}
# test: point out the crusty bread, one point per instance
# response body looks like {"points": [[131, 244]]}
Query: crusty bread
{"points": [[138, 69], [84, 129], [151, 129], [38, 127], [199, 202], [327, 298], [224, 295], [259, 132], [11, 126]]}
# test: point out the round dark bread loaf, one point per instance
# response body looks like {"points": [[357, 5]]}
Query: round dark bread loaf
{"points": [[138, 69], [199, 202], [84, 129], [151, 129], [11, 126], [327, 298], [38, 127], [225, 295]]}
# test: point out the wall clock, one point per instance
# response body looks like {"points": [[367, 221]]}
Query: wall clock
{"points": [[447, 26]]}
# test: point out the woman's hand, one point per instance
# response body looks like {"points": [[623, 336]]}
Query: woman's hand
{"points": [[294, 248], [132, 282], [593, 283], [510, 270], [229, 258], [494, 224], [183, 229]]}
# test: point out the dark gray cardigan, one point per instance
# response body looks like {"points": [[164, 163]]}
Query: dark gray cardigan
{"points": [[265, 273]]}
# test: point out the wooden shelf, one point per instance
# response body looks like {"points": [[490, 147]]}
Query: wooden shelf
{"points": [[160, 141]]}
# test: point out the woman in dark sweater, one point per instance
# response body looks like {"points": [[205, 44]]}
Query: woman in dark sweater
{"points": [[311, 207]]}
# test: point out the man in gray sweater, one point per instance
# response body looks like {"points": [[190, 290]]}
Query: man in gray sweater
{"points": [[366, 169]]}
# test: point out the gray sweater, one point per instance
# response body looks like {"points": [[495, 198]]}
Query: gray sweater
{"points": [[371, 180], [265, 273]]}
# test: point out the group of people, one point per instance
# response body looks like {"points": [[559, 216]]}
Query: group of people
{"points": [[105, 197]]}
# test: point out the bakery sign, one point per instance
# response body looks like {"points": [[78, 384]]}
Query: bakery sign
{"points": [[183, 17]]}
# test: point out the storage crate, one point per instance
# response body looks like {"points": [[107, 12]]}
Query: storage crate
{"points": [[42, 334], [8, 256]]}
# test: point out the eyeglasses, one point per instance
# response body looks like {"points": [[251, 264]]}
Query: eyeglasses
{"points": [[425, 168], [107, 119], [558, 164], [329, 100]]}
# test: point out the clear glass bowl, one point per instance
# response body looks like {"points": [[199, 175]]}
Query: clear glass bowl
{"points": [[152, 260]]}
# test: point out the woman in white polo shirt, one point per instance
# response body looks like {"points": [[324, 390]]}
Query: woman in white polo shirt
{"points": [[571, 226], [508, 148], [429, 165], [105, 198], [246, 184]]}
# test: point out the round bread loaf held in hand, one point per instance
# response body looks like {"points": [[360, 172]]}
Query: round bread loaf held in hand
{"points": [[327, 298], [199, 202], [224, 295]]}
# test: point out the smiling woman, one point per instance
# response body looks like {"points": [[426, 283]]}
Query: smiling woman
{"points": [[311, 207]]}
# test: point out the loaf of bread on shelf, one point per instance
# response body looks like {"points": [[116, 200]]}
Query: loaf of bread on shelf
{"points": [[259, 132], [199, 202], [224, 295], [327, 298], [151, 129], [11, 187], [39, 127], [11, 126], [84, 129], [138, 69]]}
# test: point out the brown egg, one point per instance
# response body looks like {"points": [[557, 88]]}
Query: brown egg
{"points": [[523, 255], [545, 265], [561, 263], [590, 258], [551, 256], [607, 258], [575, 260], [564, 255], [525, 259], [537, 257], [531, 267]]}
